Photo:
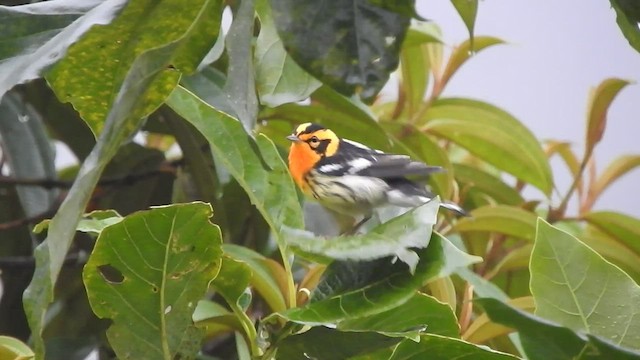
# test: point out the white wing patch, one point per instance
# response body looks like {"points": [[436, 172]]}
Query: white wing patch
{"points": [[361, 146], [330, 167], [358, 164]]}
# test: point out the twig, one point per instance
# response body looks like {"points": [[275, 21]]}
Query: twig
{"points": [[25, 262], [167, 168], [29, 220]]}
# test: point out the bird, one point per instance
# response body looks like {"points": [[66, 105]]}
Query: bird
{"points": [[352, 179]]}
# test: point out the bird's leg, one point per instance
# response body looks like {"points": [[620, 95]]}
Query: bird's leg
{"points": [[358, 225]]}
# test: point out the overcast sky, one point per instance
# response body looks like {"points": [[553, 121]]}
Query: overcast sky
{"points": [[557, 51]]}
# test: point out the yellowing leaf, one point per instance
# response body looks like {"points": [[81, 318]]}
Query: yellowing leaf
{"points": [[601, 99], [618, 168], [493, 135], [504, 219]]}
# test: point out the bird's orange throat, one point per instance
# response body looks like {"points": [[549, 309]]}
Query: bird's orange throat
{"points": [[301, 161]]}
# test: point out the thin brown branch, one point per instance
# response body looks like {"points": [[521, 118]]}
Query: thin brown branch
{"points": [[27, 262], [29, 220], [130, 179]]}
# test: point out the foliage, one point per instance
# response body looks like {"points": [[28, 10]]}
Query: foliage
{"points": [[205, 254]]}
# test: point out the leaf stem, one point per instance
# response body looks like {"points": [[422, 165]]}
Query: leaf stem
{"points": [[557, 213]]}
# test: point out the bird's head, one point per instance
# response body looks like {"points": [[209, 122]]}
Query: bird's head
{"points": [[313, 141]]}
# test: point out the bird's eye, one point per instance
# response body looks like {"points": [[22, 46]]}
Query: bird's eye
{"points": [[314, 140]]}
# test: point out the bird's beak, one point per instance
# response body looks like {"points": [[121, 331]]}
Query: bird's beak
{"points": [[292, 137]]}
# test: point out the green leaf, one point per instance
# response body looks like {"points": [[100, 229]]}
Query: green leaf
{"points": [[612, 249], [313, 344], [616, 169], [504, 219], [467, 9], [354, 52], [12, 348], [628, 18], [255, 164], [240, 86], [279, 79], [148, 82], [387, 287], [147, 273], [35, 36], [574, 286], [494, 136], [215, 319], [478, 184], [545, 340], [93, 70], [261, 173], [397, 237], [268, 276], [93, 222], [422, 33], [624, 228], [28, 152], [421, 313], [464, 52], [438, 347], [600, 100]]}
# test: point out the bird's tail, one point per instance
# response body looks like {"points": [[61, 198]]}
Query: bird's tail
{"points": [[454, 207]]}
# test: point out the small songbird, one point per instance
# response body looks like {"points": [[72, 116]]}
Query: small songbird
{"points": [[352, 179]]}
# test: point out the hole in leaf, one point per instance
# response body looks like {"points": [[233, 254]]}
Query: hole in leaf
{"points": [[154, 289], [110, 274]]}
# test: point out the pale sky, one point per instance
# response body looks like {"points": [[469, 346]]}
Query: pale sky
{"points": [[556, 51]]}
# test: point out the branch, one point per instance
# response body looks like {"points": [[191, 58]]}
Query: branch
{"points": [[165, 168], [29, 220], [27, 262]]}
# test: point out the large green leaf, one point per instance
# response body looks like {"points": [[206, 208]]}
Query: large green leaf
{"points": [[398, 237], [262, 173], [493, 135], [478, 184], [28, 152], [574, 286], [313, 344], [437, 347], [35, 36], [240, 86], [628, 18], [90, 75], [504, 219], [601, 99], [421, 313], [624, 228], [279, 79], [147, 83], [255, 164], [545, 340], [147, 273], [353, 52], [349, 295]]}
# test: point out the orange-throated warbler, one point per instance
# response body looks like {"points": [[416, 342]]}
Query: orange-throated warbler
{"points": [[352, 179]]}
